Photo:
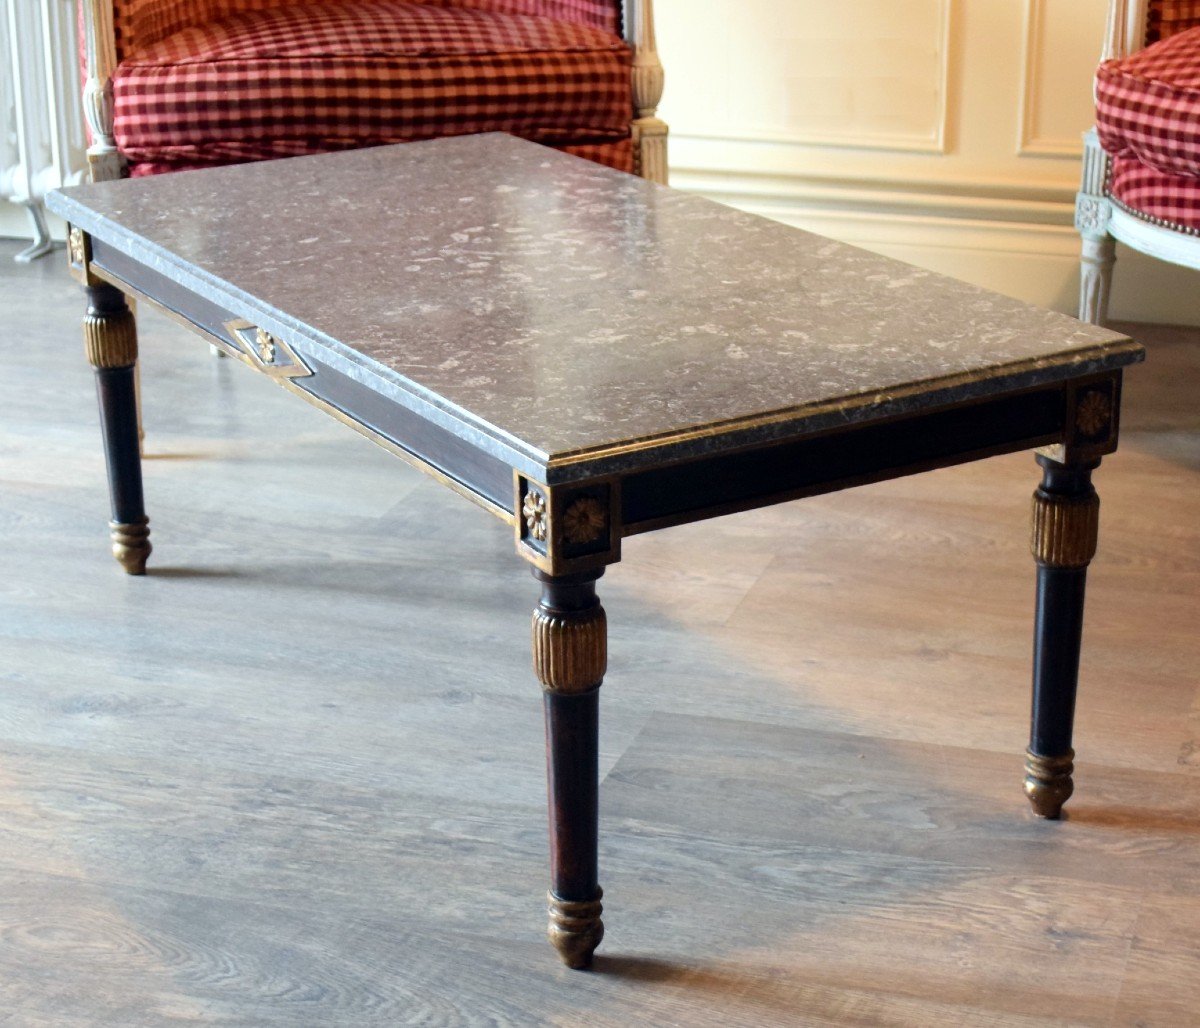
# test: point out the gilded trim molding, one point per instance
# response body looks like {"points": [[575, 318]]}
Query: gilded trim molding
{"points": [[1065, 529], [570, 648], [110, 340]]}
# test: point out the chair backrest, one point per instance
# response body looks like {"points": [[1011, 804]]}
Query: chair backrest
{"points": [[1169, 17], [139, 23]]}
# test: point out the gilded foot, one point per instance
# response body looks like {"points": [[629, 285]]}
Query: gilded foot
{"points": [[575, 929], [1048, 782], [131, 544]]}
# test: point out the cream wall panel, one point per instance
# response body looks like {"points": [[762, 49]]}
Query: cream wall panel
{"points": [[1056, 99], [709, 105], [989, 197], [810, 73]]}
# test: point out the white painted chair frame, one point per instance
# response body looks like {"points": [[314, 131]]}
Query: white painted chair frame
{"points": [[1098, 220], [649, 132]]}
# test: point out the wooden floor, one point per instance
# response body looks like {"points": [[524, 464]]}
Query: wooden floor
{"points": [[294, 776]]}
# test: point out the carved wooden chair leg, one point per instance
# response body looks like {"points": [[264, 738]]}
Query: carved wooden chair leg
{"points": [[110, 338], [649, 130], [1096, 262], [1065, 521], [1093, 210], [569, 656]]}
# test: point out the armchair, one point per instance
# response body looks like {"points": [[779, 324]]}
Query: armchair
{"points": [[1141, 165], [178, 84]]}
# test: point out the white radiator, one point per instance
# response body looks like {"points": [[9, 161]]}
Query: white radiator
{"points": [[42, 141]]}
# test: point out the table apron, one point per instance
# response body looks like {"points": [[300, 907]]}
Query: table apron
{"points": [[729, 482], [656, 497], [480, 477]]}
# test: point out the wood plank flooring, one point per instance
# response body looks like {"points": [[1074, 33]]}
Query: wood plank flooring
{"points": [[294, 776]]}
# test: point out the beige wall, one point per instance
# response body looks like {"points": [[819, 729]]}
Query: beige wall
{"points": [[944, 132]]}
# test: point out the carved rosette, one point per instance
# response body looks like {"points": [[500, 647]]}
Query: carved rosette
{"points": [[567, 529], [110, 340], [77, 248], [1065, 529], [570, 648], [1094, 412], [585, 521], [264, 343], [575, 929], [79, 256], [1048, 782], [1092, 215], [533, 510], [131, 544]]}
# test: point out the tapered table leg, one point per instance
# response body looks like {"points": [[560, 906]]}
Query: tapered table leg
{"points": [[1065, 521], [110, 339], [569, 656]]}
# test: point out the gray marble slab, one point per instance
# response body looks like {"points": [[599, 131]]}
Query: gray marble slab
{"points": [[552, 310]]}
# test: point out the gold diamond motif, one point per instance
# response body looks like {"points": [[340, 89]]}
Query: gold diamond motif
{"points": [[534, 511], [264, 351], [584, 521], [1093, 412]]}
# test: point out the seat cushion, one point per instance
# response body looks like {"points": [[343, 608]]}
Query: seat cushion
{"points": [[312, 77], [1171, 200], [1148, 105]]}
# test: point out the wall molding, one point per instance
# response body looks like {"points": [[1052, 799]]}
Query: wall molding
{"points": [[933, 142], [1026, 248], [972, 198], [1029, 142]]}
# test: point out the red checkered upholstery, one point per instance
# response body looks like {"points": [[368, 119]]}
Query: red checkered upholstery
{"points": [[1148, 105], [141, 23], [310, 77], [1170, 17], [1147, 193], [618, 154]]}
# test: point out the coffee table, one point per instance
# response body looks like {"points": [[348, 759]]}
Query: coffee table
{"points": [[588, 356]]}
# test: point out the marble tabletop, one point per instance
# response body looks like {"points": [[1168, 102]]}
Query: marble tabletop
{"points": [[551, 309]]}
